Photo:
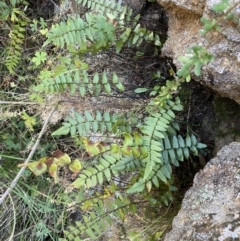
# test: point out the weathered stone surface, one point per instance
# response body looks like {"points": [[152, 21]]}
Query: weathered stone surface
{"points": [[222, 75], [136, 5], [211, 208], [196, 6]]}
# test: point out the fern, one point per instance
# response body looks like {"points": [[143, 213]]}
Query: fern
{"points": [[108, 162], [151, 153], [15, 45], [93, 176], [148, 147], [121, 16], [91, 35], [155, 129], [74, 81], [17, 28], [80, 36], [92, 224], [95, 222], [165, 148], [98, 32], [108, 7], [83, 125], [136, 37]]}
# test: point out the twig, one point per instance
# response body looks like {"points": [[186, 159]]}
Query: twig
{"points": [[25, 230], [14, 182], [14, 220]]}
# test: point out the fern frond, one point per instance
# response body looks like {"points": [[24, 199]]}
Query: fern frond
{"points": [[17, 35], [175, 149], [101, 214], [83, 125], [121, 15], [91, 35], [164, 147], [74, 81], [112, 161], [113, 9], [151, 153], [135, 37], [99, 32], [154, 129], [92, 176], [92, 225]]}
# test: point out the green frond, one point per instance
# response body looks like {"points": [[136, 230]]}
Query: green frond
{"points": [[135, 36], [99, 215], [77, 80], [177, 149], [151, 154], [13, 51], [139, 34], [155, 128], [113, 9], [102, 122], [91, 225], [174, 149], [164, 146], [99, 31], [127, 164], [115, 159], [91, 35], [92, 176]]}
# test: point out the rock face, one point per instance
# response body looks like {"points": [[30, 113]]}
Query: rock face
{"points": [[136, 5], [222, 75], [211, 208]]}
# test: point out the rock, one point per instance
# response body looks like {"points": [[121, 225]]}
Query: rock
{"points": [[135, 5], [211, 208], [221, 75]]}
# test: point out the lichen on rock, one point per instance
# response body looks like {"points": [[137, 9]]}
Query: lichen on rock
{"points": [[210, 209]]}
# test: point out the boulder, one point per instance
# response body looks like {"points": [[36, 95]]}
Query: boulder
{"points": [[211, 207], [221, 75]]}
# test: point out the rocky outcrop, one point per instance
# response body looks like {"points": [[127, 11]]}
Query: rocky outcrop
{"points": [[222, 75], [211, 208]]}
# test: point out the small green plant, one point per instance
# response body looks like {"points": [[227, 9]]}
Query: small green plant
{"points": [[39, 58], [198, 55]]}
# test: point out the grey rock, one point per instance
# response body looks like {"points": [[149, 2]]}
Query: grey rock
{"points": [[211, 208], [221, 75], [136, 5]]}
